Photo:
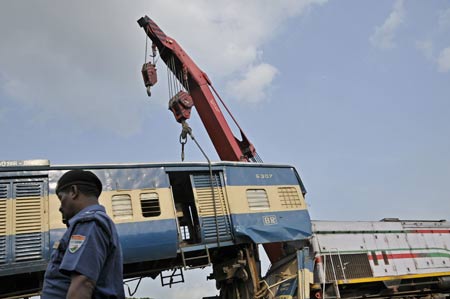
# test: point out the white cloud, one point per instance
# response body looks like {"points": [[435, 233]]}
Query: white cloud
{"points": [[252, 87], [80, 61], [384, 35], [444, 60], [430, 48], [444, 18], [229, 35]]}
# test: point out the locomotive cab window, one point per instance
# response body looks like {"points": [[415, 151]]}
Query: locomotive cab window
{"points": [[257, 199], [150, 204]]}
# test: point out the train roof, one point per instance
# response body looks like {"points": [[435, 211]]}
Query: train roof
{"points": [[43, 164], [392, 224]]}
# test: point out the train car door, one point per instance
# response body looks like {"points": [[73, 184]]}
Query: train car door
{"points": [[212, 204], [201, 206]]}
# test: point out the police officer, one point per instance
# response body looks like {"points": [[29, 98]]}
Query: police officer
{"points": [[87, 261]]}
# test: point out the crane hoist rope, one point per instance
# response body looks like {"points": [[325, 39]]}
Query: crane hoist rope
{"points": [[180, 101]]}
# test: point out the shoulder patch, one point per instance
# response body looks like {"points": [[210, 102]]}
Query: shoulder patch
{"points": [[56, 244], [76, 241]]}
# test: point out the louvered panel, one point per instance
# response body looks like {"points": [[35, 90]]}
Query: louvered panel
{"points": [[207, 207], [27, 203], [21, 220], [2, 217], [28, 215], [210, 230], [28, 247], [2, 249], [214, 215], [28, 221], [289, 197], [4, 194], [4, 191], [2, 231], [354, 266], [221, 222], [211, 226], [257, 199], [204, 180], [28, 207], [28, 189], [121, 206], [150, 204]]}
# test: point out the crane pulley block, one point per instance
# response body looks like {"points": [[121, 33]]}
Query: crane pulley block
{"points": [[181, 105], [149, 76]]}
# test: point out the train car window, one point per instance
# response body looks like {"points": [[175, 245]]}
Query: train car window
{"points": [[257, 199], [374, 258], [150, 204], [121, 207], [289, 197]]}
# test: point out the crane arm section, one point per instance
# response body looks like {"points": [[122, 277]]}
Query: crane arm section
{"points": [[198, 85]]}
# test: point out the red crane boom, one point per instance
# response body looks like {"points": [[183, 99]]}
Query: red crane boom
{"points": [[198, 86]]}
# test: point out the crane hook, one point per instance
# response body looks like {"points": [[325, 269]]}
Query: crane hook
{"points": [[185, 131]]}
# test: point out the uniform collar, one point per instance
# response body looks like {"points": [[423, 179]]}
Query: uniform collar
{"points": [[86, 211]]}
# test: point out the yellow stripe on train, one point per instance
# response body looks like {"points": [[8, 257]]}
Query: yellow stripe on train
{"points": [[257, 199], [125, 206], [37, 214], [385, 278]]}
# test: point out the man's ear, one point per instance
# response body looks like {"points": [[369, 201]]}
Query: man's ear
{"points": [[74, 191]]}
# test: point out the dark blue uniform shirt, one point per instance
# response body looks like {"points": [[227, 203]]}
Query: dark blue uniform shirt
{"points": [[89, 247]]}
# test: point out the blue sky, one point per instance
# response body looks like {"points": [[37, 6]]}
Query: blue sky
{"points": [[354, 94]]}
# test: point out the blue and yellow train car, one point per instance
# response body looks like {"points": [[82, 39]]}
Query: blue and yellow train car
{"points": [[169, 216]]}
